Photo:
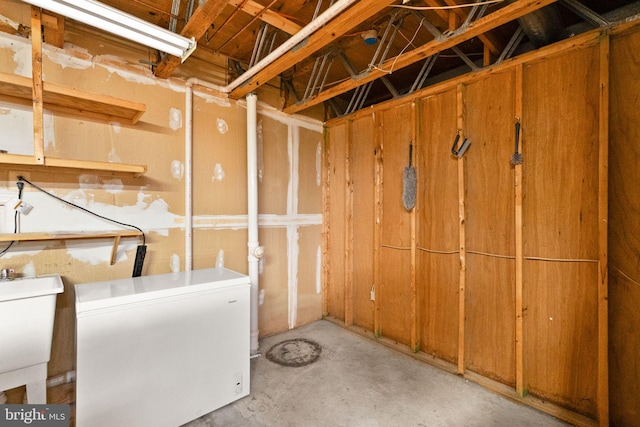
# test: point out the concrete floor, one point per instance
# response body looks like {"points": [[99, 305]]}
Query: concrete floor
{"points": [[357, 382]]}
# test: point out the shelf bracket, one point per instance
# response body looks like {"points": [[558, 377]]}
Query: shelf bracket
{"points": [[114, 250]]}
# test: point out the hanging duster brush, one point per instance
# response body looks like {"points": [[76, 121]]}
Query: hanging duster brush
{"points": [[516, 158], [409, 183]]}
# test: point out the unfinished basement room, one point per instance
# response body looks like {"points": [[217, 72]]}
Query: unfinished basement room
{"points": [[319, 213]]}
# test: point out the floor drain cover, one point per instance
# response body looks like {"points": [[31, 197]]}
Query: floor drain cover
{"points": [[295, 353]]}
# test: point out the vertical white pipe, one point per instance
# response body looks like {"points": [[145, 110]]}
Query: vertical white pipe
{"points": [[188, 167], [255, 251], [188, 178], [290, 43]]}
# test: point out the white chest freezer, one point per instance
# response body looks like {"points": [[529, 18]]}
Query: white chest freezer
{"points": [[161, 350]]}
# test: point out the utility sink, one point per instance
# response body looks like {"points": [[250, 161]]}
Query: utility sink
{"points": [[27, 310]]}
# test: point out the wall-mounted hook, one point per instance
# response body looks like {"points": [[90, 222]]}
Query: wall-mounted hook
{"points": [[459, 151], [516, 158]]}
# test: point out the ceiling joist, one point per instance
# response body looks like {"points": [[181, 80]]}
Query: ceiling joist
{"points": [[482, 25], [270, 17], [197, 26], [347, 20]]}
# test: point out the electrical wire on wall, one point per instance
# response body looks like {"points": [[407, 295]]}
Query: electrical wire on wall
{"points": [[21, 178], [141, 248], [15, 219]]}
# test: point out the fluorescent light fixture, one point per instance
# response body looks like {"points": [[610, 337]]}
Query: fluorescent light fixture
{"points": [[120, 23]]}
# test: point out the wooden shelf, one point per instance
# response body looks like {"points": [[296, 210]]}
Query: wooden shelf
{"points": [[71, 101], [52, 163], [72, 235], [76, 103]]}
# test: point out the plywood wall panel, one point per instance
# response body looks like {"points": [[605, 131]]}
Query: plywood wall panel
{"points": [[489, 121], [489, 317], [560, 188], [363, 145], [561, 333], [437, 280], [540, 257], [437, 227], [560, 149], [394, 290], [624, 223], [335, 155], [396, 136], [394, 294]]}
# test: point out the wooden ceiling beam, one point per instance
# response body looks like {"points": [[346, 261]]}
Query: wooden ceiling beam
{"points": [[198, 24], [350, 18], [501, 16], [492, 42], [270, 17]]}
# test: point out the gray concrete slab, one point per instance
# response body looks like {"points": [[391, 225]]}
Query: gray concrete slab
{"points": [[357, 382]]}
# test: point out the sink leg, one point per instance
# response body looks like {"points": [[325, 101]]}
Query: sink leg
{"points": [[37, 392]]}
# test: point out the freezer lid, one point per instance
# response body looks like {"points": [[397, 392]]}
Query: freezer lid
{"points": [[117, 292]]}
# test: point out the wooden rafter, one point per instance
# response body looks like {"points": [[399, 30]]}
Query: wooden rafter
{"points": [[201, 20], [482, 25], [491, 42], [270, 17], [347, 20]]}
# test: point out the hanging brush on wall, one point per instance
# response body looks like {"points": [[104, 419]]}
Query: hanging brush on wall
{"points": [[516, 158], [409, 182]]}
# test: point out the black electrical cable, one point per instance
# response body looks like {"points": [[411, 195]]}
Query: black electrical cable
{"points": [[21, 178], [15, 219]]}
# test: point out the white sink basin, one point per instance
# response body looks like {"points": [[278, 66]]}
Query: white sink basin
{"points": [[27, 310]]}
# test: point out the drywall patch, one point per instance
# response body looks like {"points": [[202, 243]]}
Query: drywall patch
{"points": [[284, 118], [23, 248], [218, 173], [175, 118], [49, 132], [16, 123], [220, 259], [8, 22], [131, 73], [29, 270], [93, 182], [113, 186], [210, 99], [87, 182], [177, 169], [113, 155], [95, 252], [70, 57], [222, 126], [260, 150], [51, 215], [22, 53], [174, 263]]}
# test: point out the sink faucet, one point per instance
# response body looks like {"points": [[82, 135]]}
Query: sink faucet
{"points": [[6, 274]]}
